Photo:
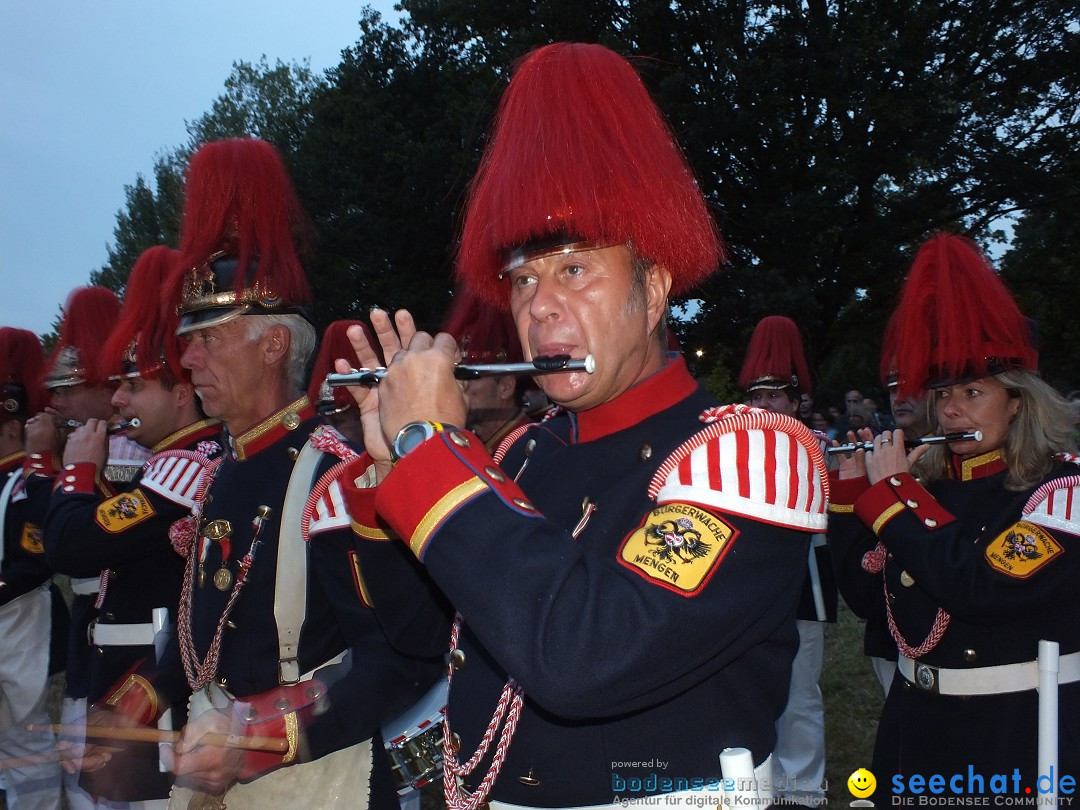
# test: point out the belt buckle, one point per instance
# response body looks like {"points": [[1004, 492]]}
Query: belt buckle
{"points": [[927, 678]]}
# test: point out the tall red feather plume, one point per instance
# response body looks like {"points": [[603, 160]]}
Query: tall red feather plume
{"points": [[89, 315], [335, 343], [238, 198], [21, 362], [776, 353], [956, 320], [485, 333], [578, 147], [149, 318]]}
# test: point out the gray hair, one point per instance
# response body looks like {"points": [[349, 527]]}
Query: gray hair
{"points": [[301, 342]]}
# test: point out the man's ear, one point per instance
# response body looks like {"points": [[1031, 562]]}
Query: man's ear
{"points": [[183, 393], [657, 286], [505, 387], [275, 343]]}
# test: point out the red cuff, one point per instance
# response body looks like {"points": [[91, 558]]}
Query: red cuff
{"points": [[134, 697], [360, 500], [843, 492], [432, 482], [273, 717], [43, 464], [77, 478], [898, 493]]}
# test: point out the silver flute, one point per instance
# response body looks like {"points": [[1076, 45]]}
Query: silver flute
{"points": [[113, 427], [539, 365], [851, 447]]}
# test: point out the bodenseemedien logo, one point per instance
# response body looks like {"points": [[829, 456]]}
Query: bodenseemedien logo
{"points": [[862, 784]]}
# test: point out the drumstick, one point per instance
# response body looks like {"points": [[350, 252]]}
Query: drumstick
{"points": [[29, 761], [154, 735]]}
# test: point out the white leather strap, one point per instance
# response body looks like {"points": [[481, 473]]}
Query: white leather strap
{"points": [[291, 579], [984, 680]]}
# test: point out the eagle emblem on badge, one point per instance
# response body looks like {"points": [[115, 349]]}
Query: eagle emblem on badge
{"points": [[677, 546], [124, 511], [124, 507], [676, 539], [1020, 545], [1022, 549]]}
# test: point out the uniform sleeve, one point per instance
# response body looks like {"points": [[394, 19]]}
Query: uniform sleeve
{"points": [[1022, 566], [85, 534], [377, 669], [588, 635], [412, 611], [850, 541]]}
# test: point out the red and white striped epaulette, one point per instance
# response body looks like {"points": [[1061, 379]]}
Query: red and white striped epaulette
{"points": [[175, 475], [751, 462], [325, 509], [1056, 504]]}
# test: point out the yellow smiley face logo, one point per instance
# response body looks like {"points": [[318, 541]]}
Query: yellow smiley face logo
{"points": [[861, 783]]}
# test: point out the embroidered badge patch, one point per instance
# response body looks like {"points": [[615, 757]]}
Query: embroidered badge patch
{"points": [[124, 511], [678, 546], [1021, 550], [31, 539]]}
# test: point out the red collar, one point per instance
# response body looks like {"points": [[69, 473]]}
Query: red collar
{"points": [[272, 428], [669, 385], [185, 436], [981, 466]]}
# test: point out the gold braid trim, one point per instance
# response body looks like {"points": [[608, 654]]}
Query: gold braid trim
{"points": [[292, 734]]}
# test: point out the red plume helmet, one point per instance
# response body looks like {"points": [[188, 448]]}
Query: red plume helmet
{"points": [[144, 342], [775, 358], [486, 334], [956, 321], [580, 157], [89, 315], [21, 362], [335, 343], [238, 240]]}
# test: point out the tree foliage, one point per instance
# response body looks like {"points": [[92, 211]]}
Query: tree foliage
{"points": [[829, 136]]}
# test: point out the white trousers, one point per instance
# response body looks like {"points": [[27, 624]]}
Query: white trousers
{"points": [[799, 757]]}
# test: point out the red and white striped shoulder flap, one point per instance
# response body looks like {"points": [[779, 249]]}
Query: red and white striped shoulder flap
{"points": [[325, 509], [175, 475], [751, 462], [1056, 505]]}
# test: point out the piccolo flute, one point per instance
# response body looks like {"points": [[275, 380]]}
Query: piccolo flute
{"points": [[113, 427], [851, 447], [539, 365]]}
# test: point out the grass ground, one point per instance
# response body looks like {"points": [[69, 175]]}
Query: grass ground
{"points": [[853, 700]]}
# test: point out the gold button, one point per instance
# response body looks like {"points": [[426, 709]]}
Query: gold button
{"points": [[930, 523], [524, 504], [291, 420], [455, 743], [969, 655], [913, 504], [906, 579], [529, 779], [250, 714], [494, 474], [459, 438], [313, 693], [457, 658], [293, 453], [281, 704], [645, 453]]}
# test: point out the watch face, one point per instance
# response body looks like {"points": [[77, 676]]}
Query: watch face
{"points": [[410, 437]]}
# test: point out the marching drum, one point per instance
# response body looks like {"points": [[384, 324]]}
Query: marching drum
{"points": [[414, 741]]}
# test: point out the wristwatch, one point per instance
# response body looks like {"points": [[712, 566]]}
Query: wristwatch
{"points": [[413, 435]]}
